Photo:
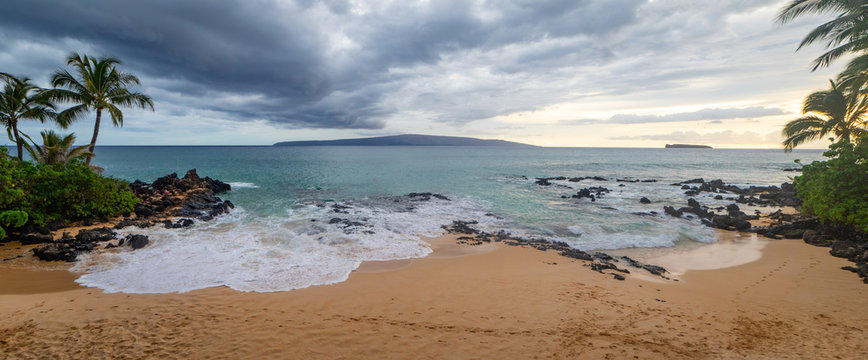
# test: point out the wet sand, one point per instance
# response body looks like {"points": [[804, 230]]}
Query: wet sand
{"points": [[779, 299]]}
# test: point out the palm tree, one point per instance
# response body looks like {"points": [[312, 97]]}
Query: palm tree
{"points": [[839, 110], [847, 32], [21, 100], [56, 150], [97, 85]]}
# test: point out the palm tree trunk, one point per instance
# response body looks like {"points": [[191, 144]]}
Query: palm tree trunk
{"points": [[95, 134], [17, 139]]}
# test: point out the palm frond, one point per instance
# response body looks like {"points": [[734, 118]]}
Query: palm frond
{"points": [[116, 114], [802, 124], [797, 8], [66, 117], [800, 138]]}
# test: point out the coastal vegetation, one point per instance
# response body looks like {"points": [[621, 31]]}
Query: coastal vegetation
{"points": [[57, 150], [835, 190], [58, 185], [60, 192]]}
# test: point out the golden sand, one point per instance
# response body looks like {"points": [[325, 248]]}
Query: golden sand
{"points": [[780, 299]]}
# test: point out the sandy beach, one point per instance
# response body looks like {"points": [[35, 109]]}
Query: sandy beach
{"points": [[493, 301]]}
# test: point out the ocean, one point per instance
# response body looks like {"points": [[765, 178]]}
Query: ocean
{"points": [[309, 216]]}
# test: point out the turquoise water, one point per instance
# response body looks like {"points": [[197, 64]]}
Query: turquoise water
{"points": [[279, 237]]}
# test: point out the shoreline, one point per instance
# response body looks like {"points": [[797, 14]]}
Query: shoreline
{"points": [[464, 301]]}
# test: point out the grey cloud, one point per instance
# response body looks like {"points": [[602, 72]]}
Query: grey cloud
{"points": [[283, 50], [356, 64], [714, 114]]}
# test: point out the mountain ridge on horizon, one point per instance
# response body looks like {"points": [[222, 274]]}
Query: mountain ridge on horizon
{"points": [[406, 140]]}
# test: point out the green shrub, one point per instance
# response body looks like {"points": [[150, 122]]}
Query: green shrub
{"points": [[60, 192], [836, 190], [11, 218]]}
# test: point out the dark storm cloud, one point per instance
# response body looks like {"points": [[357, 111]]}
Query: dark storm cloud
{"points": [[715, 114], [357, 65], [289, 53]]}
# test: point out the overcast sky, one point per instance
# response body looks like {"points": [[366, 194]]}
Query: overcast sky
{"points": [[615, 73]]}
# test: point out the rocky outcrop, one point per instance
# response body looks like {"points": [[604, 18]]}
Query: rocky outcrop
{"points": [[68, 247], [785, 195], [191, 196], [135, 241], [598, 261], [734, 219], [168, 196], [593, 193]]}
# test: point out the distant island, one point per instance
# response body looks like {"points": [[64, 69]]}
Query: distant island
{"points": [[687, 146], [406, 140]]}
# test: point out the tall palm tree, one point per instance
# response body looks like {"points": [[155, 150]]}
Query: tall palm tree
{"points": [[56, 149], [21, 100], [846, 33], [97, 85], [839, 110]]}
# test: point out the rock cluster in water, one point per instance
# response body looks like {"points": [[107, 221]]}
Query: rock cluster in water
{"points": [[843, 241], [597, 261], [191, 198]]}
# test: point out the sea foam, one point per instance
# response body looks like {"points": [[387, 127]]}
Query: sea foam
{"points": [[243, 185], [315, 244]]}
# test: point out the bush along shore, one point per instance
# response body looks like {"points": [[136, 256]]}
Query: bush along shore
{"points": [[186, 200], [845, 241]]}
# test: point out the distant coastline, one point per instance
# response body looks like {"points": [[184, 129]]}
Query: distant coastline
{"points": [[687, 146], [406, 140]]}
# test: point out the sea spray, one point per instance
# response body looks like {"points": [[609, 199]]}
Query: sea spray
{"points": [[316, 244]]}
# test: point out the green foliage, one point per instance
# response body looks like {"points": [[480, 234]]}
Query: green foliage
{"points": [[56, 149], [846, 33], [836, 190], [67, 192], [840, 111], [11, 218]]}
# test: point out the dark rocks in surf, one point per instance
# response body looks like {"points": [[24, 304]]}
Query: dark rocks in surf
{"points": [[546, 181], [785, 195], [596, 178], [644, 200], [171, 196], [349, 226], [598, 261], [543, 182], [135, 241], [593, 193], [203, 205], [733, 220], [181, 223], [426, 196]]}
